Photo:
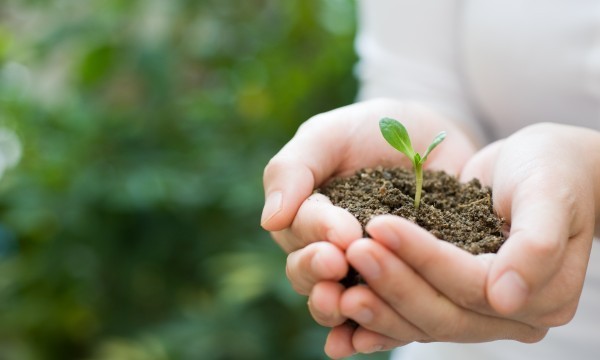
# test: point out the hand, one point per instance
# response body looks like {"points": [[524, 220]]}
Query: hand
{"points": [[338, 143], [422, 289]]}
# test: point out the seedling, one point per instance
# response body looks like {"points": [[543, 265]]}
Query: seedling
{"points": [[396, 135]]}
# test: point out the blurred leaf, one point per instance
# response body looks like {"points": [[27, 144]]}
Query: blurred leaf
{"points": [[130, 228]]}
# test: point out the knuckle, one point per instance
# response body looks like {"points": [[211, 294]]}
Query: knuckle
{"points": [[543, 247]]}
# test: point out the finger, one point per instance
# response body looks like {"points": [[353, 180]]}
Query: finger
{"points": [[316, 262], [309, 158], [339, 342], [319, 220], [420, 304], [454, 272], [556, 303], [360, 304], [367, 342], [533, 252], [462, 277], [287, 183], [324, 301]]}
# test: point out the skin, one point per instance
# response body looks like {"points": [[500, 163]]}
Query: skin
{"points": [[308, 227], [421, 289], [337, 143]]}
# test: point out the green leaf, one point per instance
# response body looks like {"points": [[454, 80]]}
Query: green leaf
{"points": [[436, 141], [396, 135]]}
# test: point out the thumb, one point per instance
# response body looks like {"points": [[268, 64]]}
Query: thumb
{"points": [[287, 184], [534, 250], [481, 165], [539, 230], [306, 161]]}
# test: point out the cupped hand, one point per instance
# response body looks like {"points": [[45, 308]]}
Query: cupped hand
{"points": [[337, 143], [544, 181]]}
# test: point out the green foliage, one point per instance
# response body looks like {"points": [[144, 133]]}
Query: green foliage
{"points": [[396, 135], [129, 230]]}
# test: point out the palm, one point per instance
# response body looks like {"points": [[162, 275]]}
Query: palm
{"points": [[349, 138]]}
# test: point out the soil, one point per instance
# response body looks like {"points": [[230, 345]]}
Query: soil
{"points": [[459, 213]]}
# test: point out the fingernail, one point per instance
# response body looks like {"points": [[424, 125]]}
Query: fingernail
{"points": [[272, 206], [510, 291], [368, 267]]}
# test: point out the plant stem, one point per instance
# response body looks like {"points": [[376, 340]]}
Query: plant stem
{"points": [[418, 184]]}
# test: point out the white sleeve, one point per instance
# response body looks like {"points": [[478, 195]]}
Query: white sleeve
{"points": [[408, 50]]}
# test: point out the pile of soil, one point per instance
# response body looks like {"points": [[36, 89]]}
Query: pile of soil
{"points": [[459, 213]]}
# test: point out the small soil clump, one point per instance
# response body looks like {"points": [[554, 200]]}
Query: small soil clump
{"points": [[459, 213]]}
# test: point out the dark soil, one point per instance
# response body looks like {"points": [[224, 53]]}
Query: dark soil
{"points": [[459, 213]]}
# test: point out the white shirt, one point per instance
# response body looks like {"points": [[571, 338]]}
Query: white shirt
{"points": [[496, 65]]}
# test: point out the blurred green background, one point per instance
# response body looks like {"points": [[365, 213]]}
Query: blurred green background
{"points": [[130, 227]]}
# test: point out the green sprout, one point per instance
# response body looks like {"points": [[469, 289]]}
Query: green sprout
{"points": [[396, 135]]}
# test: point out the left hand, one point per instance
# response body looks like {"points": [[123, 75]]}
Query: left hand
{"points": [[421, 289]]}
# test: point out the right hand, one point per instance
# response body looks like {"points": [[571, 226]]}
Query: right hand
{"points": [[337, 143], [422, 289]]}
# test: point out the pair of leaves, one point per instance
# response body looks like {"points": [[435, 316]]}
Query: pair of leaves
{"points": [[396, 135]]}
